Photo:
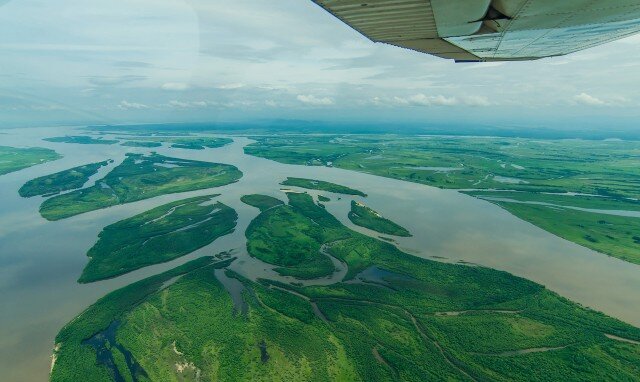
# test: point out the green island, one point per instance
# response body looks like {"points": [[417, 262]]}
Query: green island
{"points": [[323, 198], [285, 236], [588, 174], [312, 184], [82, 140], [17, 158], [141, 144], [366, 217], [261, 202], [58, 182], [393, 317], [158, 235], [140, 177]]}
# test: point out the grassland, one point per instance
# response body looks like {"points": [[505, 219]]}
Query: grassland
{"points": [[141, 144], [312, 184], [366, 217], [284, 236], [82, 140], [261, 202], [140, 177], [537, 169], [16, 158], [403, 318], [158, 235], [58, 182]]}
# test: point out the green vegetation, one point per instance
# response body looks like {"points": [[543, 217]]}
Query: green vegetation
{"points": [[140, 177], [313, 184], [366, 217], [158, 235], [15, 158], [198, 143], [606, 170], [141, 144], [618, 236], [261, 202], [323, 198], [395, 317], [58, 182], [286, 237], [82, 140]]}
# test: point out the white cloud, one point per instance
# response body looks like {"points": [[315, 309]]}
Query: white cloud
{"points": [[232, 86], [476, 101], [586, 99], [177, 86], [313, 100], [125, 105], [188, 105]]}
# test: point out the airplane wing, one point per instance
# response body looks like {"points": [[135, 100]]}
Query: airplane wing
{"points": [[490, 30]]}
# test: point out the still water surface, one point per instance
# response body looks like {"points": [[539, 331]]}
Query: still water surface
{"points": [[40, 261]]}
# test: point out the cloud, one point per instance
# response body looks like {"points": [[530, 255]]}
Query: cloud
{"points": [[424, 100], [476, 101], [230, 86], [315, 101], [189, 105], [114, 80], [586, 99], [125, 105], [176, 86]]}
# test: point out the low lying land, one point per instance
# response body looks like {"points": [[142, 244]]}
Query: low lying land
{"points": [[366, 217], [58, 182], [288, 236], [189, 142], [140, 177], [158, 235], [605, 173], [394, 317], [141, 144], [82, 140], [16, 158], [261, 202], [312, 184]]}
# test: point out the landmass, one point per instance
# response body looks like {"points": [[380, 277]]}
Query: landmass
{"points": [[82, 140], [158, 235], [590, 174], [321, 185], [140, 177], [17, 158], [58, 182], [261, 202], [141, 144], [393, 316], [366, 217]]}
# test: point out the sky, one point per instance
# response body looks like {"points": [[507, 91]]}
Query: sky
{"points": [[140, 61]]}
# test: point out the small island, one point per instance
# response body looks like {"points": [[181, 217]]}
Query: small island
{"points": [[158, 235], [312, 184], [58, 182], [141, 144], [364, 216], [140, 177], [81, 139], [16, 158], [261, 202]]}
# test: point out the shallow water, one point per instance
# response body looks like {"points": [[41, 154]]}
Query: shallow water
{"points": [[40, 261]]}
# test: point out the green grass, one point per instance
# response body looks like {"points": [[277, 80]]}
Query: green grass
{"points": [[321, 185], [534, 168], [262, 202], [366, 217], [141, 144], [58, 182], [192, 143], [285, 237], [158, 235], [140, 177], [323, 198], [81, 139], [16, 158], [422, 320]]}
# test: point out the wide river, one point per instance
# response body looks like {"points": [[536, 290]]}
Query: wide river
{"points": [[40, 261]]}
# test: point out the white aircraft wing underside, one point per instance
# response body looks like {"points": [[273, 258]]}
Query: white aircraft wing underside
{"points": [[490, 30]]}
